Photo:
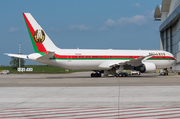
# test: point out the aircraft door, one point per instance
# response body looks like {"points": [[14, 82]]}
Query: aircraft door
{"points": [[69, 57], [169, 60]]}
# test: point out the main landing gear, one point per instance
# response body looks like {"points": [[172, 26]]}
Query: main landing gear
{"points": [[97, 74], [122, 74]]}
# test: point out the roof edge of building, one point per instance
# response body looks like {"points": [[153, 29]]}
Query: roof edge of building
{"points": [[173, 17]]}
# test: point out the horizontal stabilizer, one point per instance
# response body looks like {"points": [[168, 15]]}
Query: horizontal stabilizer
{"points": [[46, 56], [39, 57], [17, 55]]}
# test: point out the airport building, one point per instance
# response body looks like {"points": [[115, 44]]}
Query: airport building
{"points": [[169, 15]]}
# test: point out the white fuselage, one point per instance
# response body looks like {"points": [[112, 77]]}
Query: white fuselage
{"points": [[86, 59], [83, 59]]}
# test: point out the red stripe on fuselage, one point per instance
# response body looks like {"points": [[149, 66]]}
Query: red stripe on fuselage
{"points": [[109, 56], [40, 46], [162, 57]]}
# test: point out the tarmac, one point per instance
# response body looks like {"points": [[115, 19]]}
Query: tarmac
{"points": [[77, 95]]}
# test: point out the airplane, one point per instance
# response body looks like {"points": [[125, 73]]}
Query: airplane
{"points": [[100, 61]]}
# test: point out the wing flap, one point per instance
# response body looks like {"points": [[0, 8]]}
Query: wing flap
{"points": [[108, 64]]}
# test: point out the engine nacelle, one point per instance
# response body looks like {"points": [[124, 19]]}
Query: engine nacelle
{"points": [[146, 67]]}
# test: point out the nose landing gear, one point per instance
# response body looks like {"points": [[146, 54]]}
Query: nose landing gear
{"points": [[166, 72], [163, 72]]}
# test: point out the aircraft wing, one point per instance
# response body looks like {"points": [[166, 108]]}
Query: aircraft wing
{"points": [[17, 55], [134, 62]]}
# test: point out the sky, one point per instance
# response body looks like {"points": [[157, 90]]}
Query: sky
{"points": [[83, 24]]}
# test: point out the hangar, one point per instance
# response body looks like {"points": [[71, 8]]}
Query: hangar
{"points": [[169, 15]]}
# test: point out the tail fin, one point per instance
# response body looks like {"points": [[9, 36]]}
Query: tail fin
{"points": [[40, 40]]}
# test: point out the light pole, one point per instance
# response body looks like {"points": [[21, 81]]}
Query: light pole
{"points": [[19, 58]]}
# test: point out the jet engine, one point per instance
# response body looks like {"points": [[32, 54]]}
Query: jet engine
{"points": [[146, 67]]}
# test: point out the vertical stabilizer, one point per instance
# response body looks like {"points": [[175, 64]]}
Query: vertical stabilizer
{"points": [[40, 40]]}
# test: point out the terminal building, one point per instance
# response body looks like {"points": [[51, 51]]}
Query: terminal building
{"points": [[169, 15]]}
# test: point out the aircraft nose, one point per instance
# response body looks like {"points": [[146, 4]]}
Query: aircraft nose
{"points": [[175, 61]]}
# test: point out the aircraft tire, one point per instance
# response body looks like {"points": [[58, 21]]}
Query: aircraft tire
{"points": [[116, 75], [126, 74], [123, 75], [99, 74], [92, 75], [96, 75]]}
